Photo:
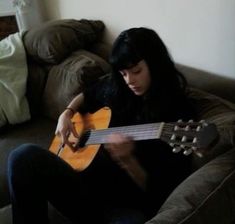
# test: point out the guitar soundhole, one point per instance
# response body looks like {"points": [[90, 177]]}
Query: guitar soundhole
{"points": [[83, 139]]}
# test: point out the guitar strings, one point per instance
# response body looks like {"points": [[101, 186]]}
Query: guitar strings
{"points": [[139, 132]]}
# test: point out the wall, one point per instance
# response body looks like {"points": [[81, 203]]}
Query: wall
{"points": [[6, 8], [198, 33], [28, 16]]}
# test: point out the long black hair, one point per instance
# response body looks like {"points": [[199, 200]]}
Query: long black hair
{"points": [[137, 44], [167, 83]]}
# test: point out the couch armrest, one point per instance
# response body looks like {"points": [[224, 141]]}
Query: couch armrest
{"points": [[206, 196]]}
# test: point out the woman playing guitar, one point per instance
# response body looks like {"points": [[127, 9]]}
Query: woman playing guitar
{"points": [[127, 180]]}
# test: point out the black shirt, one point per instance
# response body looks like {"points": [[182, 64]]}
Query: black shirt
{"points": [[165, 169]]}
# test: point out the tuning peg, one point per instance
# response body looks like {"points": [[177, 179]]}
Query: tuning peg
{"points": [[187, 128], [176, 128], [199, 154], [176, 149], [187, 152], [194, 140], [203, 122], [184, 139], [194, 149]]}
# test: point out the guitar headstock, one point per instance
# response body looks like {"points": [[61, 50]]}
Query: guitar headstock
{"points": [[189, 136]]}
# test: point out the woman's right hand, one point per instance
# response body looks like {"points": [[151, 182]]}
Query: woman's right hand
{"points": [[65, 127]]}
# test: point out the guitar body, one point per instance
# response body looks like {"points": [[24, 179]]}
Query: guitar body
{"points": [[82, 158]]}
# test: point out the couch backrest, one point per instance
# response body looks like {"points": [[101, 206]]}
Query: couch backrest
{"points": [[212, 83]]}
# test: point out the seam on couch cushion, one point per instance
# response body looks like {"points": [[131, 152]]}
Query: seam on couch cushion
{"points": [[208, 197]]}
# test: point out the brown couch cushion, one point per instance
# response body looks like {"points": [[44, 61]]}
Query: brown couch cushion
{"points": [[69, 78], [207, 196], [54, 40]]}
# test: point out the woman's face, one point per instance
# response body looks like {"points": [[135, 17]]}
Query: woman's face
{"points": [[137, 78]]}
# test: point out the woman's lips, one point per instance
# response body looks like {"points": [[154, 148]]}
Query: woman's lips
{"points": [[135, 88]]}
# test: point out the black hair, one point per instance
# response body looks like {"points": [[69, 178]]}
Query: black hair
{"points": [[142, 43], [136, 44]]}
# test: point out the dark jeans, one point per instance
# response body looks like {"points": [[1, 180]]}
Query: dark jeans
{"points": [[37, 176]]}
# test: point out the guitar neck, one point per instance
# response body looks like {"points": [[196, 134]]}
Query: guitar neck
{"points": [[136, 132]]}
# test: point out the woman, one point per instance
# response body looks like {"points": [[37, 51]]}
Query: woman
{"points": [[127, 181]]}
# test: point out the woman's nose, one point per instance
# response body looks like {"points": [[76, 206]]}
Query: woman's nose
{"points": [[129, 79]]}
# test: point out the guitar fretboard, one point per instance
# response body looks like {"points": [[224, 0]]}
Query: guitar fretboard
{"points": [[136, 132]]}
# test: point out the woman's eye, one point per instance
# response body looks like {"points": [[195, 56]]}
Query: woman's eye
{"points": [[131, 71], [136, 71]]}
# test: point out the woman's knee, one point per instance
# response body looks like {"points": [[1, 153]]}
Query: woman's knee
{"points": [[20, 155]]}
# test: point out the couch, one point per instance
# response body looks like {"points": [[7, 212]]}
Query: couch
{"points": [[63, 58]]}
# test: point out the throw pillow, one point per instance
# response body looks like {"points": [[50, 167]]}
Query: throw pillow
{"points": [[53, 41], [69, 78]]}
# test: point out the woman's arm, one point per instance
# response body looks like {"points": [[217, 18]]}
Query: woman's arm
{"points": [[121, 150], [136, 171], [75, 104]]}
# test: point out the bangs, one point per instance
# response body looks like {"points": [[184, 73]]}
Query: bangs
{"points": [[124, 57]]}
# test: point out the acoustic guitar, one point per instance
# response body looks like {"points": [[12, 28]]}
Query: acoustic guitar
{"points": [[93, 128]]}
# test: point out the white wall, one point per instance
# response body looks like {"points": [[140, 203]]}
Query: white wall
{"points": [[27, 16], [198, 33], [6, 8]]}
